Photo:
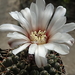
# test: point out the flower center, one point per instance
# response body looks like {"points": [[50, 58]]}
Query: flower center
{"points": [[38, 37]]}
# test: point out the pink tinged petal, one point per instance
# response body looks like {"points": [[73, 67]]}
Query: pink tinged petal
{"points": [[58, 24], [47, 15], [42, 51], [32, 48], [62, 38], [26, 13], [60, 12], [16, 42], [18, 16], [21, 48], [59, 48], [67, 27], [16, 35], [37, 59], [12, 27], [44, 61]]}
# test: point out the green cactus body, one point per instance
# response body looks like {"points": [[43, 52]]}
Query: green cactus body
{"points": [[24, 64]]}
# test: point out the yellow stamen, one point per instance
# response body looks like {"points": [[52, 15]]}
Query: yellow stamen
{"points": [[38, 37]]}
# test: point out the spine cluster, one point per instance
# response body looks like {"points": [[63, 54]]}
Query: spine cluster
{"points": [[24, 64]]}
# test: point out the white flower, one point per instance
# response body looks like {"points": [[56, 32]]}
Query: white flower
{"points": [[40, 30]]}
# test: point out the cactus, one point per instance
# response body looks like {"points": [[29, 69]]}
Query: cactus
{"points": [[24, 64]]}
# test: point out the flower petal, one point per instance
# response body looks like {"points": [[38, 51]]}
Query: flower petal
{"points": [[21, 48], [67, 27], [37, 59], [12, 27], [14, 15], [47, 15], [40, 7], [64, 38], [34, 14], [49, 46], [60, 12], [32, 48], [26, 13], [42, 51], [16, 35], [16, 42], [40, 4], [40, 61], [68, 39], [58, 24], [44, 61], [59, 48], [33, 9], [18, 16]]}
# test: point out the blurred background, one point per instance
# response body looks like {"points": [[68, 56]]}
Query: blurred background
{"points": [[7, 6]]}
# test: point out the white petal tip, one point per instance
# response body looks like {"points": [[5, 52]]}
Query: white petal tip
{"points": [[14, 52], [64, 53]]}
